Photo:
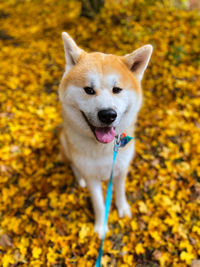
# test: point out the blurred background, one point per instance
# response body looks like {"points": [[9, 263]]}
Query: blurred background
{"points": [[45, 218]]}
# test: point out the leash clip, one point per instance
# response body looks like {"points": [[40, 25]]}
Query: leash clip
{"points": [[117, 143], [118, 139]]}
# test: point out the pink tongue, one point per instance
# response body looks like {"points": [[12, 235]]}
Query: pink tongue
{"points": [[105, 135]]}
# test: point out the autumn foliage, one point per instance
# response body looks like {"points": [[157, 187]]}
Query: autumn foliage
{"points": [[46, 219]]}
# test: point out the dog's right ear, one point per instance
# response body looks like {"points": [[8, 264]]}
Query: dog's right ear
{"points": [[72, 51]]}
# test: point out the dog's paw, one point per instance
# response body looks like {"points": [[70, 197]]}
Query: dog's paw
{"points": [[98, 228], [124, 209], [82, 182]]}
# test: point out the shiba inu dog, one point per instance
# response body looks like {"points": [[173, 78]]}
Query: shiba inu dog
{"points": [[100, 96]]}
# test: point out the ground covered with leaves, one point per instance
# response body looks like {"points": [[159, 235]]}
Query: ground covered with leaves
{"points": [[46, 219]]}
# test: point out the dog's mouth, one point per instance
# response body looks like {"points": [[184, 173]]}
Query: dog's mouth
{"points": [[102, 134]]}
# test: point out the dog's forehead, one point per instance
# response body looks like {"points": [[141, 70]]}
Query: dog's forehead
{"points": [[102, 68], [97, 79], [101, 63]]}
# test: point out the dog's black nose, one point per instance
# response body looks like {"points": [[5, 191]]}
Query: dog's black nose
{"points": [[107, 115]]}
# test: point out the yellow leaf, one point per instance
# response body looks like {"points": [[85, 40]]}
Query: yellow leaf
{"points": [[36, 252], [142, 207], [139, 249], [134, 225], [128, 259], [187, 257], [84, 231], [155, 235]]}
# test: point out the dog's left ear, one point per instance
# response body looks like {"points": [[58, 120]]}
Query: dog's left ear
{"points": [[72, 51], [138, 60]]}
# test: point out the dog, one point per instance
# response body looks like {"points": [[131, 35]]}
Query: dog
{"points": [[100, 96]]}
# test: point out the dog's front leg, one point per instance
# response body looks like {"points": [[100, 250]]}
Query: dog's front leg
{"points": [[95, 189], [120, 196], [78, 176]]}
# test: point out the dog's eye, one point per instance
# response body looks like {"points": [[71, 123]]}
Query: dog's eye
{"points": [[89, 90], [116, 90]]}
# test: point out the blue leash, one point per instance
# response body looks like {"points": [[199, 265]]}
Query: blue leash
{"points": [[120, 142]]}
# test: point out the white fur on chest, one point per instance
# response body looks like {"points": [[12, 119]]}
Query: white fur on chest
{"points": [[94, 160]]}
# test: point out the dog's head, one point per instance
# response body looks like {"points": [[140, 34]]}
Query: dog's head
{"points": [[101, 93]]}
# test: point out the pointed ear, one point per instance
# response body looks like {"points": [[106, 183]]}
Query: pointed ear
{"points": [[72, 51], [138, 60]]}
